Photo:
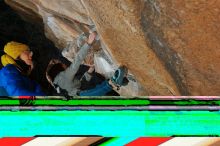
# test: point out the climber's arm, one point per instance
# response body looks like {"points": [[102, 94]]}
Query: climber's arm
{"points": [[80, 56], [74, 67]]}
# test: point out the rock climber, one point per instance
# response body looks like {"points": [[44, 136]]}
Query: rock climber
{"points": [[64, 79], [17, 61]]}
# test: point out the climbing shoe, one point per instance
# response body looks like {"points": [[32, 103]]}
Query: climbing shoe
{"points": [[119, 77]]}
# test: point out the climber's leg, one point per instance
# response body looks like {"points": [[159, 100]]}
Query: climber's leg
{"points": [[99, 90], [119, 79]]}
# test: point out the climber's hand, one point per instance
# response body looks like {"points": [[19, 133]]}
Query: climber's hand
{"points": [[92, 37], [91, 69]]}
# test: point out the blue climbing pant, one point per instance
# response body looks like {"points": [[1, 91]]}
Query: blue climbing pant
{"points": [[99, 90]]}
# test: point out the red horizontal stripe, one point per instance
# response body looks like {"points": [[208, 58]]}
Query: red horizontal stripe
{"points": [[147, 141], [15, 141], [26, 97]]}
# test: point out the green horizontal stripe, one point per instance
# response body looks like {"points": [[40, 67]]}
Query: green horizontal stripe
{"points": [[112, 102], [80, 102]]}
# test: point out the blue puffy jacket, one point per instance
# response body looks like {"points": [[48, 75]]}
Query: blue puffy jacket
{"points": [[17, 84]]}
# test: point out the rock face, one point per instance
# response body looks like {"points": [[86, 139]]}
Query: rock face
{"points": [[170, 47], [185, 36]]}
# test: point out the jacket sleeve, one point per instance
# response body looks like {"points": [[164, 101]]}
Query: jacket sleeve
{"points": [[38, 89], [15, 85], [3, 92], [71, 71]]}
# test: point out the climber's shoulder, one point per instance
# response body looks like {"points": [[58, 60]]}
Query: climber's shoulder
{"points": [[10, 68]]}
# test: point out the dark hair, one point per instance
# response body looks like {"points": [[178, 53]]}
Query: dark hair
{"points": [[22, 65], [1, 53], [1, 65], [55, 70]]}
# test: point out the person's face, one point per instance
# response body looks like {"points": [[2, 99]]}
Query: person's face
{"points": [[26, 56]]}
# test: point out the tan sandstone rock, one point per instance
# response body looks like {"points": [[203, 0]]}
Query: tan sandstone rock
{"points": [[171, 47]]}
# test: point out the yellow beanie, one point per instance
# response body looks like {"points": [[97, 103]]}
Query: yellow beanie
{"points": [[14, 49], [6, 59]]}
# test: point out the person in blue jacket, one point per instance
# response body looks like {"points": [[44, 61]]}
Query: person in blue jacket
{"points": [[14, 80]]}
